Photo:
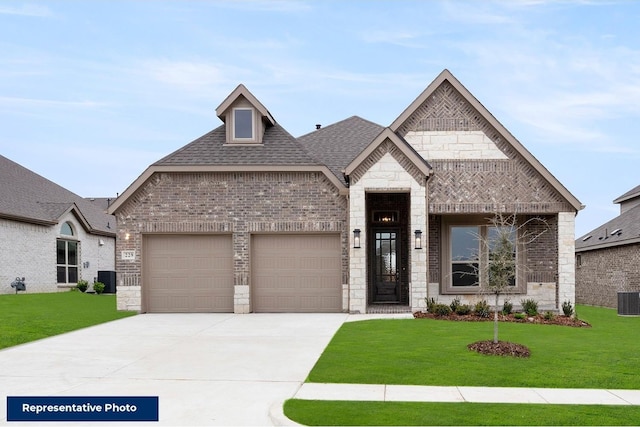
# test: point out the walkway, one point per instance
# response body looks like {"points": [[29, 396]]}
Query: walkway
{"points": [[408, 393]]}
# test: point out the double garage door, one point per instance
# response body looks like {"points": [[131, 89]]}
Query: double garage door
{"points": [[289, 273]]}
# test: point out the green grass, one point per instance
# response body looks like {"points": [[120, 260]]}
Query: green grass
{"points": [[29, 317], [434, 352], [330, 413]]}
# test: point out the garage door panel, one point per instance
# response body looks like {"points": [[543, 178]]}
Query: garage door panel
{"points": [[296, 273], [188, 273]]}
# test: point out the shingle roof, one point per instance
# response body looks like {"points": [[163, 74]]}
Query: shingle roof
{"points": [[29, 197], [621, 230], [278, 148], [634, 192], [338, 144]]}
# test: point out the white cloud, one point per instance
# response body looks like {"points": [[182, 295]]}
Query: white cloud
{"points": [[26, 10]]}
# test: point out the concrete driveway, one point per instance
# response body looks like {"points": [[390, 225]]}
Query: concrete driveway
{"points": [[206, 369]]}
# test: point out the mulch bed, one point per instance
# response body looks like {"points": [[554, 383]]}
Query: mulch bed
{"points": [[504, 348], [539, 319], [501, 348]]}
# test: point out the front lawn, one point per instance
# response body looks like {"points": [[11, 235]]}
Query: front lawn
{"points": [[329, 413], [29, 317], [434, 352]]}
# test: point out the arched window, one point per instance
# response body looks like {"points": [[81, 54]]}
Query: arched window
{"points": [[66, 229], [67, 256]]}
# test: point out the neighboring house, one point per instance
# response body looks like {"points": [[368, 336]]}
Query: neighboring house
{"points": [[352, 217], [608, 258], [50, 236]]}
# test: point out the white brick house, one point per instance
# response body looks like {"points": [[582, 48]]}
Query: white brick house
{"points": [[50, 236], [354, 216]]}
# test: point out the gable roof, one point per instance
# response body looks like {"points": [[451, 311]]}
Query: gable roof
{"points": [[338, 144], [446, 75], [28, 197], [399, 142], [631, 194], [239, 91], [279, 151]]}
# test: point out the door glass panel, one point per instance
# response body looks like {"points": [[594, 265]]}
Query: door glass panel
{"points": [[386, 280]]}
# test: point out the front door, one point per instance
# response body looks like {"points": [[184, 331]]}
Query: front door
{"points": [[385, 272]]}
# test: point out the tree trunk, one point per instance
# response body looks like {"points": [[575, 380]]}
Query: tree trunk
{"points": [[495, 321]]}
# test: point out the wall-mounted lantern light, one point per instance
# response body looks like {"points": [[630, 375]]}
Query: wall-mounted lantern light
{"points": [[418, 244], [356, 238], [126, 236]]}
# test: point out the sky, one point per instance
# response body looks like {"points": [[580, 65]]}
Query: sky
{"points": [[93, 92]]}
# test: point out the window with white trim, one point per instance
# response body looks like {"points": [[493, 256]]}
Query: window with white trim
{"points": [[67, 256]]}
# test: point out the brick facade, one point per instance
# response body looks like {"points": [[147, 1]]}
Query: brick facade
{"points": [[29, 251], [602, 273], [240, 203]]}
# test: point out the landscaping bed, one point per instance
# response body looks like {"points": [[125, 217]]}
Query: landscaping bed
{"points": [[539, 319]]}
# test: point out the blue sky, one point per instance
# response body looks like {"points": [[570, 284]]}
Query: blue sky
{"points": [[92, 92]]}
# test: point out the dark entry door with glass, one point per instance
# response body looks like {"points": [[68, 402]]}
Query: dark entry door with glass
{"points": [[384, 267]]}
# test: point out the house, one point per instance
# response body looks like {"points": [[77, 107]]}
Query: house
{"points": [[352, 217], [50, 236], [608, 258]]}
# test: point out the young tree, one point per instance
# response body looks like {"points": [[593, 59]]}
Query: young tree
{"points": [[501, 242]]}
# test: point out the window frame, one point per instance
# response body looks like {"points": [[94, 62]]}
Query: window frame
{"points": [[66, 265], [483, 225], [253, 125]]}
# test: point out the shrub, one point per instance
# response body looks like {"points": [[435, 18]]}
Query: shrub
{"points": [[548, 315], [441, 310], [431, 302], [482, 309], [455, 304], [530, 306], [82, 285], [520, 316], [98, 287], [463, 309], [507, 307], [567, 308]]}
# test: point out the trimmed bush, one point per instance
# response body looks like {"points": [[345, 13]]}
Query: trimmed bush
{"points": [[98, 287], [441, 310], [567, 308], [520, 316], [482, 309], [82, 285], [549, 315], [507, 307], [463, 309], [530, 306]]}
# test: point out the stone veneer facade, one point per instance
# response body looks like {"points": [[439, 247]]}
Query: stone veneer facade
{"points": [[239, 203]]}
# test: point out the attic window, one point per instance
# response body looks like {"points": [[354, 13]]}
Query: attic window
{"points": [[243, 124], [66, 229]]}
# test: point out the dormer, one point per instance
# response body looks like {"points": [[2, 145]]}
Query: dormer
{"points": [[245, 118]]}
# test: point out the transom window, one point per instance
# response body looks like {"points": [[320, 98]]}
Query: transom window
{"points": [[243, 123], [66, 229], [471, 251]]}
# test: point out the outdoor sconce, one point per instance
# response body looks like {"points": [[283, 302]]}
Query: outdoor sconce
{"points": [[418, 244], [356, 238], [126, 236]]}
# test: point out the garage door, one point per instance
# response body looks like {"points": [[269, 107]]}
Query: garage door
{"points": [[188, 273], [296, 273]]}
